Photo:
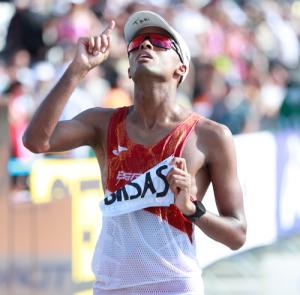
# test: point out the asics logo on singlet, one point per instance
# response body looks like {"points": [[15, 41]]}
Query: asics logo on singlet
{"points": [[120, 149], [140, 189]]}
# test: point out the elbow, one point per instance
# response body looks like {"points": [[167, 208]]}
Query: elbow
{"points": [[238, 243], [240, 237], [33, 146]]}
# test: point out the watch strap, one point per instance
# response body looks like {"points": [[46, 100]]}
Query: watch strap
{"points": [[200, 211]]}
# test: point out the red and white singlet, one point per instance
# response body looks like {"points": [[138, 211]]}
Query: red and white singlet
{"points": [[150, 249]]}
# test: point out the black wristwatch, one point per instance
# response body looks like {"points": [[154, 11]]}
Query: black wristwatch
{"points": [[200, 211]]}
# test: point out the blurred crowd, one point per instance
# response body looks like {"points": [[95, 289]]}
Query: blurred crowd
{"points": [[244, 71]]}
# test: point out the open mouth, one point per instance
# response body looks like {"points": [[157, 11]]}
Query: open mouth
{"points": [[144, 56]]}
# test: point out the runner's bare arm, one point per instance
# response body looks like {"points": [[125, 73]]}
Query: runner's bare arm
{"points": [[229, 227], [44, 133]]}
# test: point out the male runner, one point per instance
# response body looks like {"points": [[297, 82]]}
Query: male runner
{"points": [[156, 159]]}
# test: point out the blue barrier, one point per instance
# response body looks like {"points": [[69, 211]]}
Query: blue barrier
{"points": [[19, 167]]}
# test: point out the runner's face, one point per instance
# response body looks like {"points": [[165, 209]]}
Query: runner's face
{"points": [[153, 53]]}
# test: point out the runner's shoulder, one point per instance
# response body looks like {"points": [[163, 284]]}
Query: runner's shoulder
{"points": [[212, 133], [97, 117]]}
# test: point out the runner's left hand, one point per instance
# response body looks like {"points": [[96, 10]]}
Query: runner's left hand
{"points": [[180, 184]]}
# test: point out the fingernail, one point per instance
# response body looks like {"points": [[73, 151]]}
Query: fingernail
{"points": [[96, 52]]}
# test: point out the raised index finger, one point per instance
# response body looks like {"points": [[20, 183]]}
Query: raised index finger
{"points": [[109, 28]]}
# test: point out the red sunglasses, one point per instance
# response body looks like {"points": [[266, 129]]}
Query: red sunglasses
{"points": [[156, 40]]}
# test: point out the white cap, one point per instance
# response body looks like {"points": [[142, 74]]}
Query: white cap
{"points": [[144, 19]]}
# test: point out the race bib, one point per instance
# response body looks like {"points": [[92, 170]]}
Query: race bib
{"points": [[151, 189]]}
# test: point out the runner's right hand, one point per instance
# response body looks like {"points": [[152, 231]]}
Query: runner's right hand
{"points": [[92, 51]]}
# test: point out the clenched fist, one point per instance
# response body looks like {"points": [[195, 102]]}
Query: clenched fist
{"points": [[92, 51], [180, 184]]}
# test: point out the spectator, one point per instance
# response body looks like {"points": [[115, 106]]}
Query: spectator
{"points": [[25, 32]]}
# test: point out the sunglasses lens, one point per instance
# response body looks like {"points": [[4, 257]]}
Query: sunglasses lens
{"points": [[160, 41], [157, 40], [135, 43]]}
